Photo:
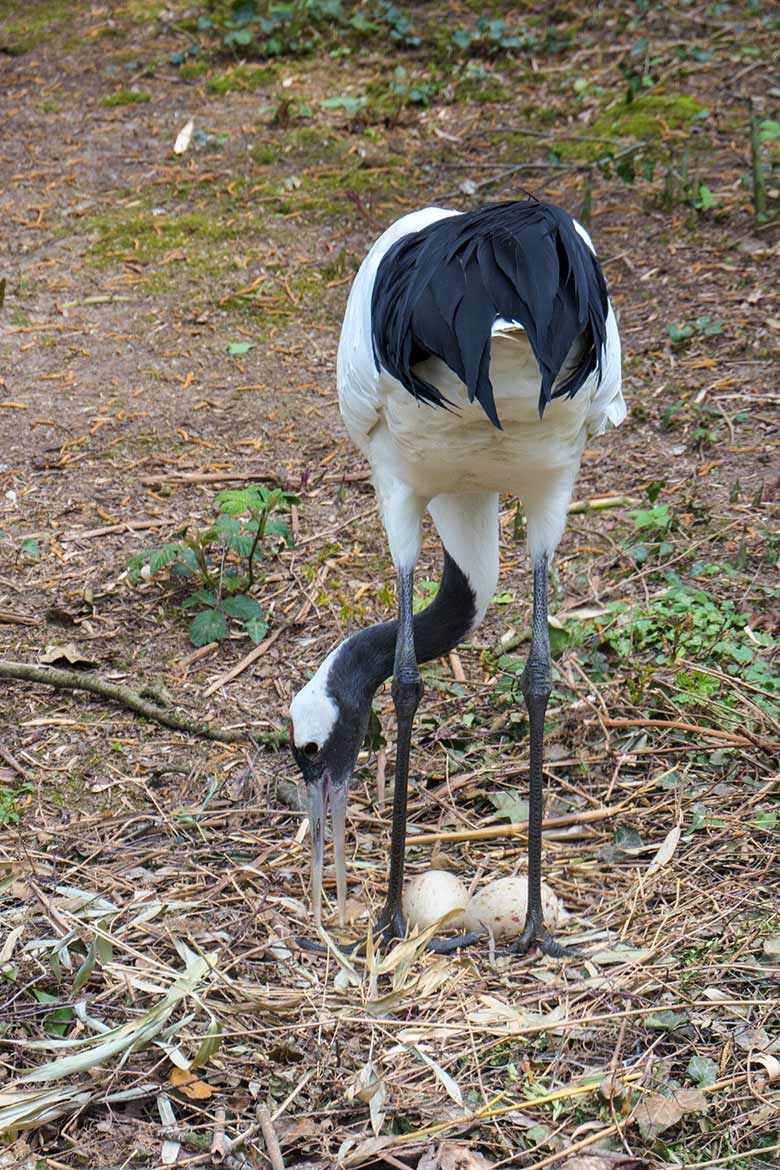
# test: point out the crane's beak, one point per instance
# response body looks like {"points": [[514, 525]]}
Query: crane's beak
{"points": [[324, 793]]}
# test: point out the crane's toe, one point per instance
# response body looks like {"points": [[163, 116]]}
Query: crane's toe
{"points": [[534, 934], [391, 925]]}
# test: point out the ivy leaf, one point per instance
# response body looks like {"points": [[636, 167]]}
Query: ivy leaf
{"points": [[666, 1021], [702, 1070], [32, 548], [510, 805], [239, 36]]}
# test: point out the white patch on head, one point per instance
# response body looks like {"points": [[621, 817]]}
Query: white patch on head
{"points": [[313, 712]]}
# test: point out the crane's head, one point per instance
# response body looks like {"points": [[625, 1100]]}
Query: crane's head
{"points": [[328, 722]]}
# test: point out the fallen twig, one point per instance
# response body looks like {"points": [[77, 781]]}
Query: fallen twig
{"points": [[729, 737], [518, 829], [12, 618], [269, 1136], [12, 762], [77, 681], [241, 666], [110, 529]]}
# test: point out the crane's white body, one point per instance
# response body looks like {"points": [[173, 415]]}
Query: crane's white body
{"points": [[455, 462]]}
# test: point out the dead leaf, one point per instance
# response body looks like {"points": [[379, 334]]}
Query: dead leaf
{"points": [[772, 945], [613, 1088], [666, 851], [655, 1113], [368, 1086], [356, 1155], [184, 137], [749, 1036], [453, 1156], [190, 1085], [604, 1160], [763, 1115], [68, 653], [302, 1129], [769, 1062], [691, 1100]]}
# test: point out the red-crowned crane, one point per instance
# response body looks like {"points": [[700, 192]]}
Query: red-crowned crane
{"points": [[479, 350]]}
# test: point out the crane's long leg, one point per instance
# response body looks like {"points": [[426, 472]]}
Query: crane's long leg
{"points": [[537, 684], [407, 690]]}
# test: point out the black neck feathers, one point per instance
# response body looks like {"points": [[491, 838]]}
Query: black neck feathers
{"points": [[365, 660]]}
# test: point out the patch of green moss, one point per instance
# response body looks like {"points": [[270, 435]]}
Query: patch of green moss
{"points": [[126, 97], [537, 117], [37, 26], [649, 116], [198, 245], [328, 195], [265, 153], [192, 70], [144, 10], [313, 145], [481, 89], [242, 77]]}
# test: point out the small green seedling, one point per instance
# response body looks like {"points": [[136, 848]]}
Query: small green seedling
{"points": [[217, 564]]}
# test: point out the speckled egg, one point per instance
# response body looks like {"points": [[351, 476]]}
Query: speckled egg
{"points": [[430, 895], [500, 907]]}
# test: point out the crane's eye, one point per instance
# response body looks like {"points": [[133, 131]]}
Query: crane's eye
{"points": [[311, 749]]}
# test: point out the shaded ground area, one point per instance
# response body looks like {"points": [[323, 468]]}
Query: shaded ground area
{"points": [[168, 330]]}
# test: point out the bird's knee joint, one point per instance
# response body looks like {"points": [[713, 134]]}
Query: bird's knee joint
{"points": [[407, 690], [537, 679]]}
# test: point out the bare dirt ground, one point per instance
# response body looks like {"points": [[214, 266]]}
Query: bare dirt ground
{"points": [[168, 329]]}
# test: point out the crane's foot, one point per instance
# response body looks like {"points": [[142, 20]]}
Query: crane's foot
{"points": [[391, 928], [534, 935]]}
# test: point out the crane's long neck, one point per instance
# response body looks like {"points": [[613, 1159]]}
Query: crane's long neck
{"points": [[363, 662]]}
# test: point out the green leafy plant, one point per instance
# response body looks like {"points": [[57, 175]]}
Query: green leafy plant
{"points": [[689, 623], [352, 106], [218, 564], [704, 326], [11, 800], [398, 24], [409, 92], [269, 30], [661, 644], [58, 1021], [654, 524]]}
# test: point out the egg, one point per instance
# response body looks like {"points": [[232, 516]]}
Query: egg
{"points": [[432, 894], [500, 907]]}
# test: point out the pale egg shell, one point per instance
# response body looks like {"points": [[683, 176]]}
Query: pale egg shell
{"points": [[431, 894], [500, 907]]}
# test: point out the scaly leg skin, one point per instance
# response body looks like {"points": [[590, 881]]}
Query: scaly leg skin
{"points": [[537, 684], [407, 690]]}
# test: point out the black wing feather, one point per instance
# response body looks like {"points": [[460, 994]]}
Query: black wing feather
{"points": [[439, 291]]}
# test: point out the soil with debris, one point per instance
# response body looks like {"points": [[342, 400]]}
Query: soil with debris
{"points": [[168, 330]]}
